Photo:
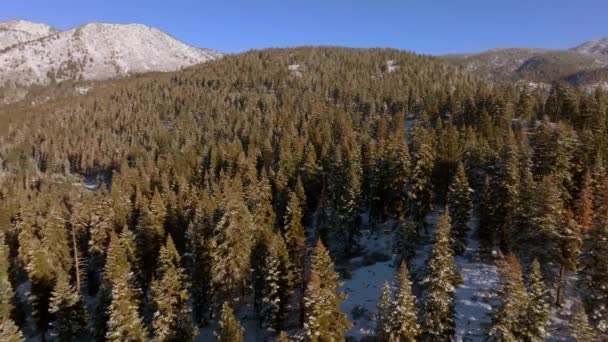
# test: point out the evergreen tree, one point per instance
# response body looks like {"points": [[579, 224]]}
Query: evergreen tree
{"points": [[8, 329], [420, 187], [383, 315], [486, 233], [230, 252], [584, 205], [404, 246], [580, 329], [230, 329], [68, 310], [403, 324], [508, 318], [507, 192], [460, 206], [150, 234], [594, 271], [172, 318], [324, 320], [124, 322], [438, 308], [538, 311], [295, 238], [276, 283], [556, 236]]}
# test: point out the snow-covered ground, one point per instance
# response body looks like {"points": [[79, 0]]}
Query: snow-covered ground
{"points": [[474, 296]]}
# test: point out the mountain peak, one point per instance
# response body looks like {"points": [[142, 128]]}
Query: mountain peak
{"points": [[597, 47], [32, 53]]}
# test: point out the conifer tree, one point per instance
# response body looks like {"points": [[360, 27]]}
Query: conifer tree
{"points": [[403, 323], [594, 270], [580, 329], [124, 322], [276, 282], [584, 204], [538, 311], [230, 252], [557, 237], [324, 320], [507, 192], [486, 232], [68, 310], [383, 314], [404, 246], [295, 238], [230, 329], [508, 318], [460, 206], [172, 318], [438, 308], [150, 234], [420, 187], [8, 329]]}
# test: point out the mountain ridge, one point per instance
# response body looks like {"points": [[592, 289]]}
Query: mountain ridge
{"points": [[91, 51]]}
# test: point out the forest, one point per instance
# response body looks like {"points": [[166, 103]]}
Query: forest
{"points": [[236, 195]]}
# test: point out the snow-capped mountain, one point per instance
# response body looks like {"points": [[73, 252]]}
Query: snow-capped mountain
{"points": [[594, 47], [38, 54], [19, 31]]}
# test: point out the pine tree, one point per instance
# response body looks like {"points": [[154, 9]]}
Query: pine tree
{"points": [[172, 318], [538, 312], [230, 329], [150, 233], [594, 270], [324, 320], [276, 283], [460, 206], [507, 192], [124, 322], [508, 317], [383, 315], [230, 252], [420, 187], [68, 310], [584, 205], [438, 308], [557, 237], [404, 246], [403, 324], [486, 233], [8, 329], [580, 329], [295, 238]]}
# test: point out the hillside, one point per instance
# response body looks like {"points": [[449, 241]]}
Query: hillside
{"points": [[535, 66], [276, 188], [35, 54]]}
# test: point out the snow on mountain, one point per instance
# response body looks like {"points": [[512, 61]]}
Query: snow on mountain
{"points": [[19, 31], [90, 52], [594, 47]]}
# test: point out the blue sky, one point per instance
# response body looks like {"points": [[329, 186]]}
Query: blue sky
{"points": [[423, 26]]}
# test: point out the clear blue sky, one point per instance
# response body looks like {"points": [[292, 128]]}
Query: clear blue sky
{"points": [[424, 26]]}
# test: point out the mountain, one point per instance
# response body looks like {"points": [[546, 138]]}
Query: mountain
{"points": [[19, 31], [539, 66], [594, 47], [36, 54]]}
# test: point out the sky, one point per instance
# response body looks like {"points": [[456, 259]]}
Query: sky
{"points": [[422, 26]]}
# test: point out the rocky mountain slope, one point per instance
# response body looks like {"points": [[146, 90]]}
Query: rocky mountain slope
{"points": [[19, 31], [36, 54], [581, 65]]}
